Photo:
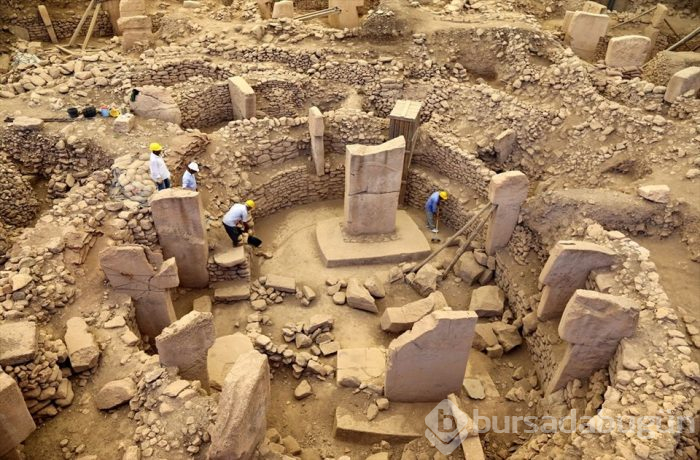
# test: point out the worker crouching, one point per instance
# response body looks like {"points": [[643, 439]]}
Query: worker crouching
{"points": [[236, 221]]}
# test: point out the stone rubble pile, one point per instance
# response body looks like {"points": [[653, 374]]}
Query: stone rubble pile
{"points": [[44, 383]]}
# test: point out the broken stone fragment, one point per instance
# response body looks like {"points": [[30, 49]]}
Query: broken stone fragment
{"points": [[468, 269], [281, 283], [115, 393], [507, 334], [399, 319], [359, 297], [375, 287], [425, 280], [487, 301], [303, 390], [474, 388], [18, 342], [83, 351], [655, 193]]}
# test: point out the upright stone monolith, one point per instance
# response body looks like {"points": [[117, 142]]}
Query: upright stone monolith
{"points": [[593, 324], [179, 220], [584, 31], [16, 422], [185, 344], [242, 415], [566, 270], [316, 129], [507, 191], [141, 274], [372, 185], [428, 362]]}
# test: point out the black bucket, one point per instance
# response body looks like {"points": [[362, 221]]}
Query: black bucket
{"points": [[73, 112], [253, 241], [89, 112]]}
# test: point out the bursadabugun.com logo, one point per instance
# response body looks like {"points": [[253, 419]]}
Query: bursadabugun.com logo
{"points": [[448, 425]]}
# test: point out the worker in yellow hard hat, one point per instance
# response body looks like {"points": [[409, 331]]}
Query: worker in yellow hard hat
{"points": [[432, 208], [159, 170], [236, 220]]}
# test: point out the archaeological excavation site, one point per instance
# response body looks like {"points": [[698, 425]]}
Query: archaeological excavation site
{"points": [[349, 229]]}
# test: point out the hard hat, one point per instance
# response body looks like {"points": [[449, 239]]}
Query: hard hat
{"points": [[250, 204], [155, 147], [443, 195], [193, 166]]}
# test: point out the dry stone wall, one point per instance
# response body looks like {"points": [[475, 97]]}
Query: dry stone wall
{"points": [[64, 161], [203, 104], [440, 152], [176, 71], [42, 255], [295, 186], [18, 205], [64, 27]]}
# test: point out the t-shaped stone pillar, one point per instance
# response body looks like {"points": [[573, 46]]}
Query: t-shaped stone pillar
{"points": [[16, 422], [372, 185], [130, 270], [185, 344], [507, 191], [566, 270], [179, 220], [316, 128], [593, 323]]}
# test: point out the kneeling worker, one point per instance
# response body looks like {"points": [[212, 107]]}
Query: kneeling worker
{"points": [[432, 208], [236, 220]]}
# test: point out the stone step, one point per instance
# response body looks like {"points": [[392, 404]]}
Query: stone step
{"points": [[230, 257], [230, 291], [281, 283]]}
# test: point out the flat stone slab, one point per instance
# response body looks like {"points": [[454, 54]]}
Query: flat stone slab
{"points": [[223, 355], [403, 422], [18, 342], [281, 283], [360, 365], [230, 257], [407, 243], [231, 291]]}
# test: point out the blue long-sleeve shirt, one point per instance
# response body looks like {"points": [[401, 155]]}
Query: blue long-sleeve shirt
{"points": [[188, 181], [432, 203]]}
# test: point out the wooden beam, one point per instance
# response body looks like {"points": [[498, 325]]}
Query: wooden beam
{"points": [[44, 13], [92, 25], [76, 32]]}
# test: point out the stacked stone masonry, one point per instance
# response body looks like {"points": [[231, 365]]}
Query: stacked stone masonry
{"points": [[64, 27]]}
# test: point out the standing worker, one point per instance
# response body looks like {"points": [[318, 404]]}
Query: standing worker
{"points": [[236, 220], [159, 171], [189, 182], [432, 207]]}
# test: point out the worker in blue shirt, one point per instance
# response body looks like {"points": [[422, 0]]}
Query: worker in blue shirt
{"points": [[432, 207], [189, 182]]}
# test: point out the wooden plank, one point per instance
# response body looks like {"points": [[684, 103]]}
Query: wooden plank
{"points": [[76, 32], [92, 25], [44, 13]]}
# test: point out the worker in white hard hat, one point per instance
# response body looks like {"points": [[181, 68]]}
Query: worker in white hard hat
{"points": [[432, 208], [159, 171], [189, 182], [236, 220]]}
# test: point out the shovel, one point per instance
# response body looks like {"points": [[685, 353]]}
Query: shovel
{"points": [[434, 238]]}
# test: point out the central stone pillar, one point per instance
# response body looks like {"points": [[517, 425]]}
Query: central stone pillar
{"points": [[179, 220], [372, 186]]}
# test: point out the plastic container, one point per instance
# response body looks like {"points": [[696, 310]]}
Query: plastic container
{"points": [[104, 111], [73, 112], [89, 111], [114, 113]]}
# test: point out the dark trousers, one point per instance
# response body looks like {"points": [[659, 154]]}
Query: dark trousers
{"points": [[163, 185], [234, 233]]}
